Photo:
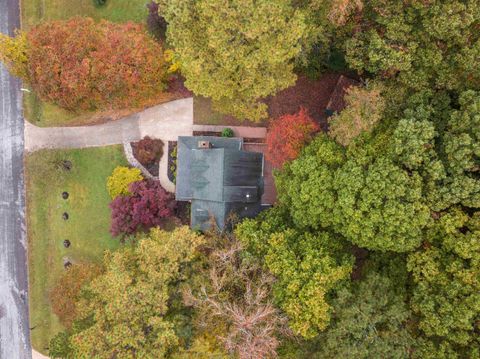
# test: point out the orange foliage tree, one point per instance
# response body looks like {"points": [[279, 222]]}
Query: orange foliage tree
{"points": [[81, 64], [64, 294], [287, 135]]}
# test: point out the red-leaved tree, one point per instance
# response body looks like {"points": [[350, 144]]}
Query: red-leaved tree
{"points": [[81, 64], [146, 207], [287, 135], [64, 294]]}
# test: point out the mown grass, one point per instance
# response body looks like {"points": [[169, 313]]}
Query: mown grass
{"points": [[87, 227], [34, 12]]}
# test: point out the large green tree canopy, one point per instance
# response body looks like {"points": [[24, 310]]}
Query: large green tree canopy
{"points": [[369, 321], [372, 202], [308, 268], [422, 44], [236, 52], [446, 276]]}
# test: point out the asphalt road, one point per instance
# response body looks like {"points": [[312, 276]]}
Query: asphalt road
{"points": [[14, 327]]}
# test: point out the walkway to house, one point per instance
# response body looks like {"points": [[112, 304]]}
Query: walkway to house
{"points": [[239, 131], [37, 355]]}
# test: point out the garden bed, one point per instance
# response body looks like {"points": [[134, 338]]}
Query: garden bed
{"points": [[148, 152], [172, 161], [182, 212]]}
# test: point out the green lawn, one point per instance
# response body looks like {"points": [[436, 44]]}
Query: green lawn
{"points": [[45, 114], [87, 227], [35, 11]]}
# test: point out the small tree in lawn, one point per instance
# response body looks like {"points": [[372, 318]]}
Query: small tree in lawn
{"points": [[287, 135], [146, 207], [65, 293]]}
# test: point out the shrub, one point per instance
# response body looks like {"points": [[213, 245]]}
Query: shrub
{"points": [[65, 293], [146, 207], [227, 132], [287, 135], [173, 167], [148, 150], [80, 64], [118, 182], [156, 24]]}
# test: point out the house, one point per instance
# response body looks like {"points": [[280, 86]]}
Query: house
{"points": [[219, 178]]}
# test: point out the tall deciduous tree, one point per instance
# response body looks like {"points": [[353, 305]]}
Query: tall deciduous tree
{"points": [[287, 135], [380, 206], [446, 276], [308, 268], [236, 52], [134, 306], [13, 53], [419, 44], [235, 304], [369, 321], [306, 186], [80, 64], [460, 154], [374, 203]]}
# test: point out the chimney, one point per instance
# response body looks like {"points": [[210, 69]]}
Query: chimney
{"points": [[204, 144]]}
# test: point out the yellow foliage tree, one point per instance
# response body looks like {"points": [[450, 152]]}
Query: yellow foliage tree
{"points": [[365, 106], [13, 53], [118, 182]]}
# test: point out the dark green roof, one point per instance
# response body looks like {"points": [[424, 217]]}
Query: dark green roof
{"points": [[219, 180]]}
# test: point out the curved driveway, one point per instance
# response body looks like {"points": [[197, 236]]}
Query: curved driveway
{"points": [[14, 327], [166, 122]]}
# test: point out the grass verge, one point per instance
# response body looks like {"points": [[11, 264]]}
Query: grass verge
{"points": [[87, 227], [36, 11]]}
